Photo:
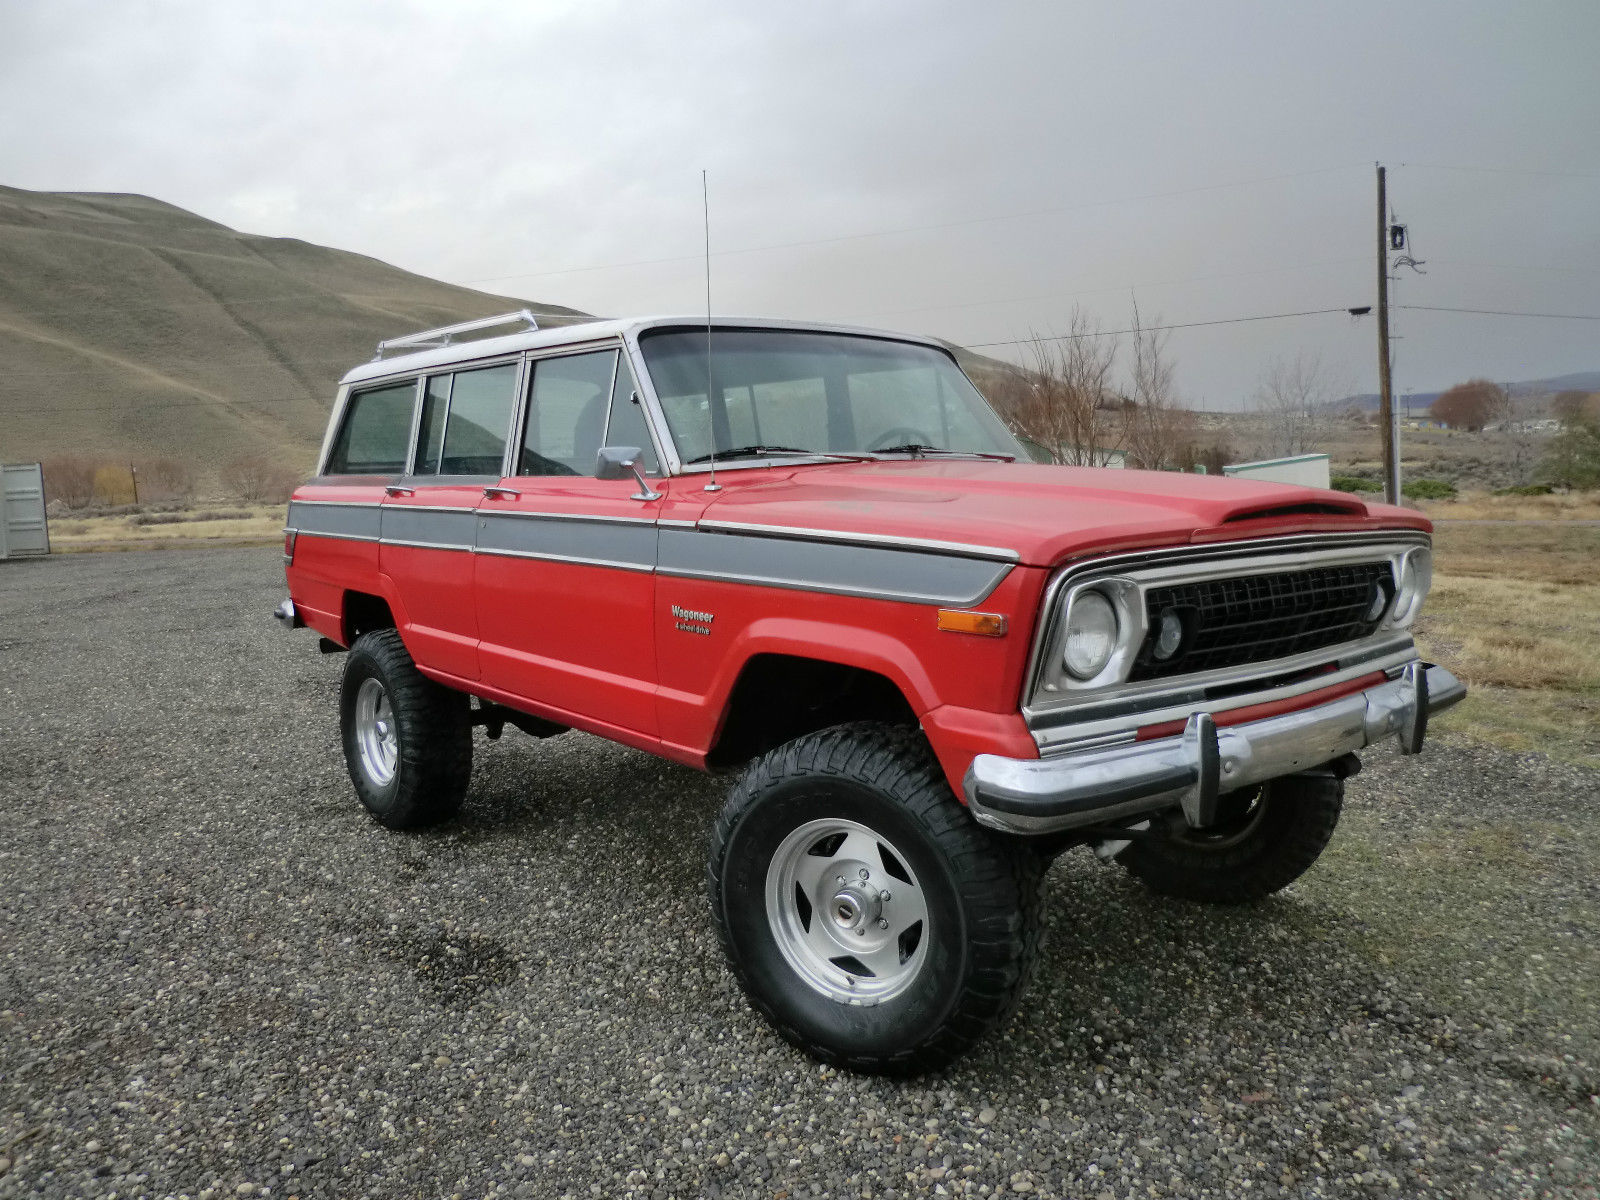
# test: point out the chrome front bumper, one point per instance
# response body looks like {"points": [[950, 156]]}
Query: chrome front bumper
{"points": [[1032, 796]]}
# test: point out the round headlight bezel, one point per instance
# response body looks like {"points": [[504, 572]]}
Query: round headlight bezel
{"points": [[1091, 615], [1413, 578]]}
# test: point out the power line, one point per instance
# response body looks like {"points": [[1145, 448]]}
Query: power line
{"points": [[877, 233], [1503, 312], [1070, 337], [1504, 170]]}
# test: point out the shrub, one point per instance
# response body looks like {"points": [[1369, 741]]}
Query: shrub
{"points": [[70, 479], [259, 480], [1428, 489], [1527, 489], [113, 484], [1354, 483], [165, 479]]}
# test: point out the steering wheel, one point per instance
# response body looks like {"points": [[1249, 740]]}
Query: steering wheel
{"points": [[900, 435]]}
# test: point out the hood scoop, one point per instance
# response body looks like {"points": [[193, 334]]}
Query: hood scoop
{"points": [[1314, 508]]}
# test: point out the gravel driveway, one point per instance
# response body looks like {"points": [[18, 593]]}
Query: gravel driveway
{"points": [[218, 977]]}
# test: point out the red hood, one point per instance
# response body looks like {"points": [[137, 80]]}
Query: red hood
{"points": [[1045, 514]]}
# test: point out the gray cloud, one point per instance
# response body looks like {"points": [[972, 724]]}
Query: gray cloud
{"points": [[475, 140]]}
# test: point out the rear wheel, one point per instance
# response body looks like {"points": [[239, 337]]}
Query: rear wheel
{"points": [[407, 740], [1264, 839], [864, 912]]}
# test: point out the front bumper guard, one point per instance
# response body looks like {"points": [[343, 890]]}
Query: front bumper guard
{"points": [[1035, 796]]}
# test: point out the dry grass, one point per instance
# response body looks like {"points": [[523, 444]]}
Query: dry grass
{"points": [[1480, 506], [256, 523], [1515, 611]]}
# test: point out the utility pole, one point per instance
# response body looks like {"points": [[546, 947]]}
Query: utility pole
{"points": [[1391, 465]]}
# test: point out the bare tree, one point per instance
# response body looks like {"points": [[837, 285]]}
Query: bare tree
{"points": [[259, 480], [1294, 399], [1064, 398], [1156, 427], [70, 479], [165, 479]]}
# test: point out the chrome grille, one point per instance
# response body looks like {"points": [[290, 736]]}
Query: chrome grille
{"points": [[1258, 618]]}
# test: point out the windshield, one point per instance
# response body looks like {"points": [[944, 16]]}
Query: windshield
{"points": [[787, 392]]}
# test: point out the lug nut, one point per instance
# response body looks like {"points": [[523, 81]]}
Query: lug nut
{"points": [[882, 924], [884, 896], [840, 878], [865, 872]]}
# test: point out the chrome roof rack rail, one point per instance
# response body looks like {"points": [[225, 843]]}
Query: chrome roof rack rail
{"points": [[431, 338]]}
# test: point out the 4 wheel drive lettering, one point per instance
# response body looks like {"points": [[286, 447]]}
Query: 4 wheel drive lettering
{"points": [[875, 875]]}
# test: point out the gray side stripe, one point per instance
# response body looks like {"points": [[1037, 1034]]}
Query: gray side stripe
{"points": [[631, 546], [336, 520], [427, 527], [830, 567], [815, 566]]}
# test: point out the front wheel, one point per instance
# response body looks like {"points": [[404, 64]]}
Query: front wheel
{"points": [[863, 911], [407, 740], [1263, 841]]}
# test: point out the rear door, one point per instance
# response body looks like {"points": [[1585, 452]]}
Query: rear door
{"points": [[428, 517], [565, 563]]}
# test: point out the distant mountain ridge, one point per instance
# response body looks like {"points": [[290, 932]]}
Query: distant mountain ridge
{"points": [[133, 328], [1580, 381]]}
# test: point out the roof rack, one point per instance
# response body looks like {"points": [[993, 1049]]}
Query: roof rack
{"points": [[429, 338]]}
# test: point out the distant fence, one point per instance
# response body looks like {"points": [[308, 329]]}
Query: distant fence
{"points": [[24, 530]]}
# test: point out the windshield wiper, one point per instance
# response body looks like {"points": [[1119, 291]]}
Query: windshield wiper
{"points": [[918, 449], [761, 451]]}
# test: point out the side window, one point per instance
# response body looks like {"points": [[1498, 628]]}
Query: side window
{"points": [[376, 433], [627, 426], [435, 402], [479, 421], [567, 402]]}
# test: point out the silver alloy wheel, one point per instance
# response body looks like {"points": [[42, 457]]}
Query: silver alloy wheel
{"points": [[376, 737], [847, 912]]}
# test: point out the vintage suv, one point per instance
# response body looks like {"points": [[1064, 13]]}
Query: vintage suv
{"points": [[815, 554]]}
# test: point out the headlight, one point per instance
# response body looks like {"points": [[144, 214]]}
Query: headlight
{"points": [[1091, 635], [1416, 577]]}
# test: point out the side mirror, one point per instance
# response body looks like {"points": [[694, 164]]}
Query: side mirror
{"points": [[618, 462]]}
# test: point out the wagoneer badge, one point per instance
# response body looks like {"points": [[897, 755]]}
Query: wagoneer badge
{"points": [[690, 621]]}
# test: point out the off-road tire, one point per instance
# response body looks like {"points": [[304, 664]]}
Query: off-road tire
{"points": [[983, 894], [433, 725], [1297, 820]]}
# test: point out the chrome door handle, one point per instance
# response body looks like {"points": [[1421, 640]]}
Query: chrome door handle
{"points": [[504, 492], [394, 489]]}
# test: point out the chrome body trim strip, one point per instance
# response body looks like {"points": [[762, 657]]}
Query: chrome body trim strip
{"points": [[565, 558], [808, 534], [1035, 796]]}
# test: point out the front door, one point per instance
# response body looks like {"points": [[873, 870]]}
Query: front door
{"points": [[429, 515], [565, 563]]}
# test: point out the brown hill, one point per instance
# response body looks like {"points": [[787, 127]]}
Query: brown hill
{"points": [[132, 328]]}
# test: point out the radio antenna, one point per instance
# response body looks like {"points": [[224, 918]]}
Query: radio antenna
{"points": [[705, 204]]}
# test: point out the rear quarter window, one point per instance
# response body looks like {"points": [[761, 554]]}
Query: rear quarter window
{"points": [[376, 433]]}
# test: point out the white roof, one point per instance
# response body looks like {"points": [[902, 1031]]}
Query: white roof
{"points": [[592, 331]]}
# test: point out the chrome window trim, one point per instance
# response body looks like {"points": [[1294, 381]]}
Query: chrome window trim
{"points": [[614, 564], [1204, 561], [807, 534]]}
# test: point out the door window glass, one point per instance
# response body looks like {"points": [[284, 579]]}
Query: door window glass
{"points": [[479, 421], [567, 403], [627, 425], [376, 432], [435, 400]]}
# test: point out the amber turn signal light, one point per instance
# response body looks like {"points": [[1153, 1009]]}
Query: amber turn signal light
{"points": [[955, 620]]}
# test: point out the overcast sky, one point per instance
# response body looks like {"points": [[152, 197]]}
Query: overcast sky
{"points": [[969, 171]]}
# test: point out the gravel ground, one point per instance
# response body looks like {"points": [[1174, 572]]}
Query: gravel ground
{"points": [[219, 978]]}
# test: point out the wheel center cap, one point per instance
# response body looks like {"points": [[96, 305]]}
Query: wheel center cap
{"points": [[854, 907]]}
